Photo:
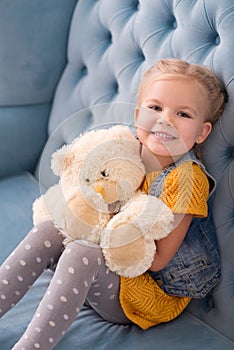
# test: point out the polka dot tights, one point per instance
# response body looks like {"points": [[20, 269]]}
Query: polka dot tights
{"points": [[80, 275]]}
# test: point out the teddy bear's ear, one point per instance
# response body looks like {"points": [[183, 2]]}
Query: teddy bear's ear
{"points": [[58, 159]]}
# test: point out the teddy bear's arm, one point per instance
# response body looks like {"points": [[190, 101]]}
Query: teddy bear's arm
{"points": [[144, 215], [128, 240]]}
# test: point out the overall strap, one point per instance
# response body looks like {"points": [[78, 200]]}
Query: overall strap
{"points": [[156, 188]]}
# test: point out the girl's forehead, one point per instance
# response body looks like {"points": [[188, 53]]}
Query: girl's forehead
{"points": [[171, 78], [157, 78], [172, 85], [176, 92]]}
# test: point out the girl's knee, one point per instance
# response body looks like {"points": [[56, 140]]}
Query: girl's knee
{"points": [[88, 251], [45, 226], [47, 231]]}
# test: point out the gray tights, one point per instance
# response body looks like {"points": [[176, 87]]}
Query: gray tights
{"points": [[80, 275]]}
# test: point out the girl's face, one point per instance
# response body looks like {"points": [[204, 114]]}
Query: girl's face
{"points": [[170, 118]]}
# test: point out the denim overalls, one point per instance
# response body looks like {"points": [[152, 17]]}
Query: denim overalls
{"points": [[195, 268]]}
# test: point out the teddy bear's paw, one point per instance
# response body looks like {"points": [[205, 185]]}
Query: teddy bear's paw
{"points": [[148, 214], [39, 212], [113, 237], [130, 260], [160, 219]]}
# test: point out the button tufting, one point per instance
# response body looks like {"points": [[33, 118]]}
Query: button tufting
{"points": [[230, 152], [109, 37], [115, 87], [84, 70], [141, 56], [174, 24], [217, 40]]}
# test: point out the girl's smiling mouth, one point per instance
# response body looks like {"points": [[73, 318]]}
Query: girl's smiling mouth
{"points": [[163, 136]]}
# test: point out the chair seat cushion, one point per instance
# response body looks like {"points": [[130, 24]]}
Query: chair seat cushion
{"points": [[184, 333], [17, 194]]}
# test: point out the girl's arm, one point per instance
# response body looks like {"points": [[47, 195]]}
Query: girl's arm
{"points": [[167, 247]]}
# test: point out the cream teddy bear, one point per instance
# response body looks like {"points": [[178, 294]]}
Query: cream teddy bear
{"points": [[98, 199]]}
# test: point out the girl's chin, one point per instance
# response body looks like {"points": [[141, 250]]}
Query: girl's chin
{"points": [[161, 149], [170, 154], [167, 149]]}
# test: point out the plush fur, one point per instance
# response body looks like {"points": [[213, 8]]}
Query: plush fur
{"points": [[98, 199]]}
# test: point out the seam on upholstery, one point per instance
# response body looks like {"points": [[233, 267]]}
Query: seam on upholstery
{"points": [[207, 325], [104, 97], [147, 38], [231, 188], [207, 17], [225, 14], [206, 53], [166, 6], [26, 104], [121, 13], [126, 66], [229, 81], [221, 130], [227, 222]]}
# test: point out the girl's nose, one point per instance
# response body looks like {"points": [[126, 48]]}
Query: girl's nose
{"points": [[164, 118]]}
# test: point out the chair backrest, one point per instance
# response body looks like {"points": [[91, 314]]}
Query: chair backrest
{"points": [[33, 37], [111, 44]]}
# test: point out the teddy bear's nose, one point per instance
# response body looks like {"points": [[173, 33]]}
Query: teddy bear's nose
{"points": [[99, 189]]}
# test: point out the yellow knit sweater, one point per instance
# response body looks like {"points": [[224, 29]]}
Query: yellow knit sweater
{"points": [[185, 190]]}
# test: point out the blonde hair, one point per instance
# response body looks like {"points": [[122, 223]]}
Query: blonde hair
{"points": [[203, 76]]}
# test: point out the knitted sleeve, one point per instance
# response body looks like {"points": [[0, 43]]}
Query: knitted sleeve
{"points": [[186, 190]]}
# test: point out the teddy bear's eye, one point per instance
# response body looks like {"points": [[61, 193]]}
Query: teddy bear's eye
{"points": [[87, 180], [104, 173]]}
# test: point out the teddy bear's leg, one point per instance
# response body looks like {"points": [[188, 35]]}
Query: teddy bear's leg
{"points": [[81, 273], [39, 250]]}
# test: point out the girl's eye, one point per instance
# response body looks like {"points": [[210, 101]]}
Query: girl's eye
{"points": [[104, 173], [155, 108], [184, 115]]}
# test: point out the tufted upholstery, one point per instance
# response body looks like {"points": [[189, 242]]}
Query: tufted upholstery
{"points": [[110, 44]]}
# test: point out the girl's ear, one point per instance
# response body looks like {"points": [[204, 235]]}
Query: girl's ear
{"points": [[205, 131]]}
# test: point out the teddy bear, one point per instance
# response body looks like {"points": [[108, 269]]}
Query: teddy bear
{"points": [[98, 199]]}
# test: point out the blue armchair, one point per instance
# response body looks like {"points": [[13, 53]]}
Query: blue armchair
{"points": [[58, 60]]}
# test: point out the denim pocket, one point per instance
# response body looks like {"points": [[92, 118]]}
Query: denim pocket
{"points": [[195, 269]]}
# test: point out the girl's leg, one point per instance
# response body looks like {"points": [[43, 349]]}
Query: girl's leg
{"points": [[81, 273], [39, 250]]}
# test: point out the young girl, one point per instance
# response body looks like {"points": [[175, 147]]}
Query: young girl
{"points": [[177, 104]]}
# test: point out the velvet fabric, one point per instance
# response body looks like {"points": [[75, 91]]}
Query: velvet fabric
{"points": [[67, 66]]}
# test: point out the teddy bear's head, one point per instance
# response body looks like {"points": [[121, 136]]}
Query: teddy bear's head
{"points": [[103, 165]]}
